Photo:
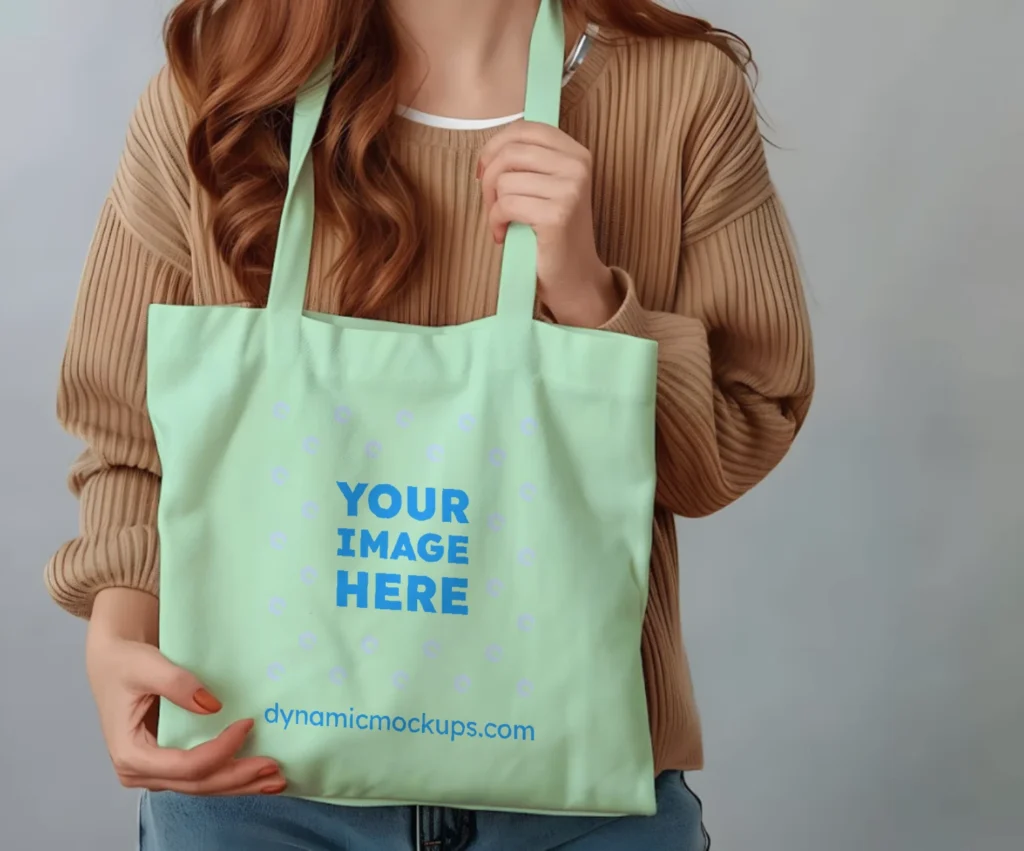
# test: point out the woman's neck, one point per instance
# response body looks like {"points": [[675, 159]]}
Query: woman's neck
{"points": [[464, 58]]}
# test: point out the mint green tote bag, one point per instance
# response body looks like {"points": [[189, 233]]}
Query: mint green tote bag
{"points": [[418, 557]]}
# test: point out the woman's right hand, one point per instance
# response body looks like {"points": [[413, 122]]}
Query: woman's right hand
{"points": [[128, 675]]}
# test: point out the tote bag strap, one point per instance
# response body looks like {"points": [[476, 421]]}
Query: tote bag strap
{"points": [[517, 293], [295, 234], [518, 287]]}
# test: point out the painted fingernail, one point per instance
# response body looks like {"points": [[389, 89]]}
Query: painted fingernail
{"points": [[274, 789], [206, 701], [269, 771]]}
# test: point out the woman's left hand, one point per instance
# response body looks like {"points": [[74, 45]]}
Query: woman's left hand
{"points": [[538, 176]]}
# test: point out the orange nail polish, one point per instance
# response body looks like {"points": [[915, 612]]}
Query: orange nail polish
{"points": [[206, 701], [274, 789], [269, 771]]}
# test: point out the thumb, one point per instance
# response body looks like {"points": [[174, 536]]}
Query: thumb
{"points": [[150, 672]]}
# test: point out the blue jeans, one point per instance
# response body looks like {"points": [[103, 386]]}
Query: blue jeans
{"points": [[172, 822]]}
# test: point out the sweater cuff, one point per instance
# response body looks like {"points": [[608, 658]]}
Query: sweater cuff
{"points": [[118, 545], [630, 318]]}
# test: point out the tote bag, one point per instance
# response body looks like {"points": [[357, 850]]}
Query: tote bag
{"points": [[416, 556]]}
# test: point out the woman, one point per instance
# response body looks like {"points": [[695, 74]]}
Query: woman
{"points": [[655, 217]]}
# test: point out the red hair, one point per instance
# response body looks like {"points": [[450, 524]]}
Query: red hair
{"points": [[239, 65]]}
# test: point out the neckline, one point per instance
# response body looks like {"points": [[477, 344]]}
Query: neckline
{"points": [[447, 123], [407, 131]]}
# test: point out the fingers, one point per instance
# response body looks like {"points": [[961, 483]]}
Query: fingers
{"points": [[207, 769], [535, 175], [254, 776], [516, 157], [128, 678], [142, 759], [140, 762], [523, 184], [524, 146], [537, 213], [252, 781], [244, 777], [530, 133], [528, 184], [148, 671], [549, 188], [260, 787], [514, 160]]}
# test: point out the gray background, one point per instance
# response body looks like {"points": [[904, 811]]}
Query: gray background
{"points": [[856, 623]]}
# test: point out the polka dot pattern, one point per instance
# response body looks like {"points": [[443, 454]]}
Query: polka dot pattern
{"points": [[527, 557], [528, 426], [495, 522]]}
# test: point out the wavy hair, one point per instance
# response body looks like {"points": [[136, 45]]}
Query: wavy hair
{"points": [[239, 65]]}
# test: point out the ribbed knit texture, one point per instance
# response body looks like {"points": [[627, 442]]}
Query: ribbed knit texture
{"points": [[685, 213]]}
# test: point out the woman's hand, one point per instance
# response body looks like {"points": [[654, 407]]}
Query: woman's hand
{"points": [[537, 175], [128, 674]]}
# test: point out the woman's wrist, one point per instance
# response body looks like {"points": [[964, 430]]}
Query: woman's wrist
{"points": [[593, 304], [125, 613]]}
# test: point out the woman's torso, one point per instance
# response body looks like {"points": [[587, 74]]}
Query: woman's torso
{"points": [[637, 107]]}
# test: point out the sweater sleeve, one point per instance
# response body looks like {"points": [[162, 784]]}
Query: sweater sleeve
{"points": [[139, 256], [735, 369]]}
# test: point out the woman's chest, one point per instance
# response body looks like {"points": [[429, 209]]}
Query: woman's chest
{"points": [[456, 278], [635, 217]]}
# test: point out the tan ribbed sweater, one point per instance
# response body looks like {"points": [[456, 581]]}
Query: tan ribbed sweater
{"points": [[685, 212]]}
